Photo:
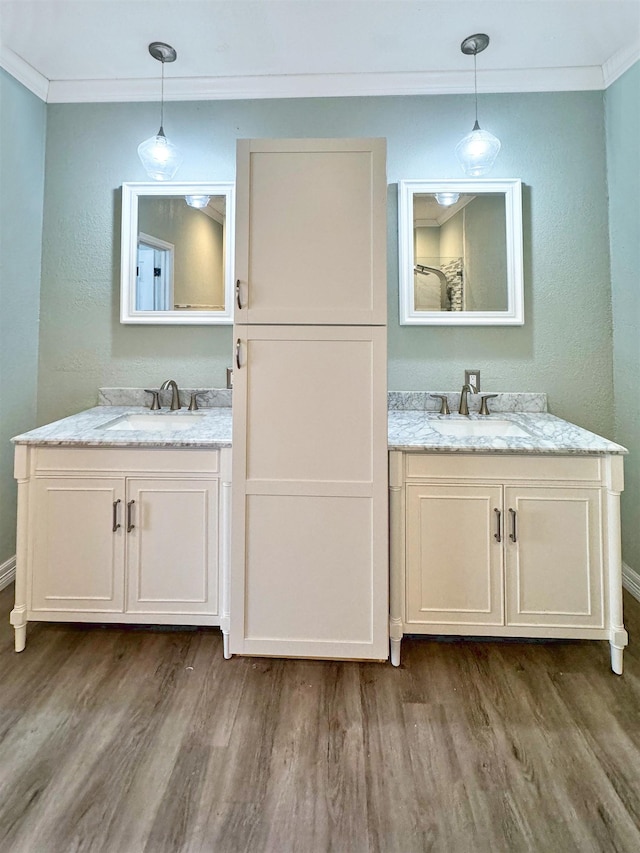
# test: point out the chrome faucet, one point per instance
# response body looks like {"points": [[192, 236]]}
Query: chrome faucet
{"points": [[175, 394], [464, 408]]}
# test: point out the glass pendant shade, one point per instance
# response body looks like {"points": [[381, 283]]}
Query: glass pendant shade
{"points": [[446, 199], [198, 201], [160, 157], [477, 151]]}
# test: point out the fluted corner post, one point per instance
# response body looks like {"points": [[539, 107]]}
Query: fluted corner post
{"points": [[396, 553], [618, 637], [18, 616]]}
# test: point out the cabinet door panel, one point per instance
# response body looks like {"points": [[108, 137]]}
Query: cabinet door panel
{"points": [[554, 569], [454, 563], [172, 552], [311, 231], [78, 559], [309, 536], [305, 586]]}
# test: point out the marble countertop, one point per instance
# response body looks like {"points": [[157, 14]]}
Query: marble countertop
{"points": [[545, 434], [212, 428], [409, 430]]}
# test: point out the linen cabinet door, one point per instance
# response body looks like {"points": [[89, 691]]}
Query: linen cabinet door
{"points": [[311, 231], [454, 556], [172, 546], [77, 563], [309, 537], [554, 557]]}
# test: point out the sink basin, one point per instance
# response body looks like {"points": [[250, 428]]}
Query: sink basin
{"points": [[155, 423], [471, 429]]}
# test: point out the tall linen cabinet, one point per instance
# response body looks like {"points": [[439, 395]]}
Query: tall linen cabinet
{"points": [[309, 557]]}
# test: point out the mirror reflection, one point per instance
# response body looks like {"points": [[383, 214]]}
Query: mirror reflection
{"points": [[177, 252], [460, 252]]}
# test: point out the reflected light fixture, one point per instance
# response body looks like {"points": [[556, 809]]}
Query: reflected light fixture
{"points": [[445, 199], [478, 150], [160, 157], [198, 201]]}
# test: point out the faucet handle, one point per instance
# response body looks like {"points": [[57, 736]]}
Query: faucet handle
{"points": [[444, 403], [155, 402], [484, 409], [193, 405]]}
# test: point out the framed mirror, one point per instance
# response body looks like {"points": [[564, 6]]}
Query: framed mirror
{"points": [[177, 253], [460, 252]]}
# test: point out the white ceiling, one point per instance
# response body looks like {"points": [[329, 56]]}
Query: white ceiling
{"points": [[96, 50]]}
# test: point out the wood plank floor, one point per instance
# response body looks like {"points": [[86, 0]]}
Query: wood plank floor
{"points": [[128, 740]]}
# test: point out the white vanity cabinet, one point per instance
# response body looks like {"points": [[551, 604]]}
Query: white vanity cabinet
{"points": [[121, 535], [498, 545]]}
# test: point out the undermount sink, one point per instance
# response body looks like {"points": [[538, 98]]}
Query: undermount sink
{"points": [[155, 422], [472, 428]]}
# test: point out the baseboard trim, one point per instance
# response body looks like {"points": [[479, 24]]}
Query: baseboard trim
{"points": [[631, 581], [8, 572]]}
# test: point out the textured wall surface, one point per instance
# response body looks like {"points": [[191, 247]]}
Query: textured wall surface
{"points": [[554, 142], [622, 102], [22, 139]]}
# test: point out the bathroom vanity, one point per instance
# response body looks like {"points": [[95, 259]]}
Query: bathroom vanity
{"points": [[500, 526], [510, 534], [123, 516]]}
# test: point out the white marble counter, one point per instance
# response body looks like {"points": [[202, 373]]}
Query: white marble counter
{"points": [[546, 434], [212, 428], [409, 430]]}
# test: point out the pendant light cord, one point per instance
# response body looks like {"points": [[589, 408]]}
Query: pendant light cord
{"points": [[475, 79], [162, 99]]}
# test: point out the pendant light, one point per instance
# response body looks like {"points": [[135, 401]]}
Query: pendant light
{"points": [[198, 201], [446, 199], [478, 150], [160, 157]]}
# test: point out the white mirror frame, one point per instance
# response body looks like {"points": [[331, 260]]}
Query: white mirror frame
{"points": [[514, 315], [131, 192]]}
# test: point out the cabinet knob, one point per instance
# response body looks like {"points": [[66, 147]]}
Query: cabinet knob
{"points": [[114, 518], [239, 303], [238, 353], [514, 530]]}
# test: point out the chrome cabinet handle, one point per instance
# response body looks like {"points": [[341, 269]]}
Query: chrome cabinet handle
{"points": [[130, 526], [514, 530], [114, 520], [238, 293], [238, 353], [498, 534]]}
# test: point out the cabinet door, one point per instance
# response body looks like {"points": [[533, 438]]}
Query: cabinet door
{"points": [[78, 558], [311, 231], [554, 556], [454, 562], [309, 533], [172, 547]]}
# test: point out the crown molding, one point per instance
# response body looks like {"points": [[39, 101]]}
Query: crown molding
{"points": [[620, 62], [325, 85], [24, 73], [318, 85]]}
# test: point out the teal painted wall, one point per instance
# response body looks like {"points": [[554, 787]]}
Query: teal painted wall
{"points": [[554, 142], [22, 144], [622, 104]]}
